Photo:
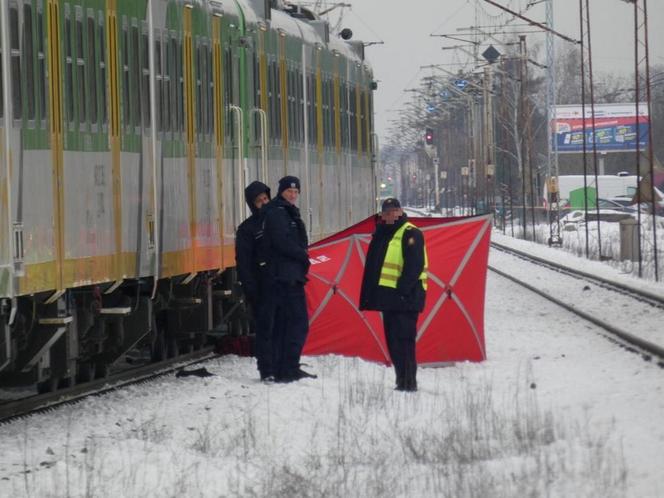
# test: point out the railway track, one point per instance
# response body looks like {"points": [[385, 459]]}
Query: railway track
{"points": [[38, 403], [647, 349]]}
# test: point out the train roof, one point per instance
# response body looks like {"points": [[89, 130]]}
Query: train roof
{"points": [[306, 27]]}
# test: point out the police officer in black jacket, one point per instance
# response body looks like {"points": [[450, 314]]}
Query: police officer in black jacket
{"points": [[251, 273], [285, 239], [394, 282]]}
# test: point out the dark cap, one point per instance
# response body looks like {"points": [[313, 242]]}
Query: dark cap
{"points": [[289, 182], [390, 203]]}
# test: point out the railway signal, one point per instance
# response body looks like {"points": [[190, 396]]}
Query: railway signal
{"points": [[428, 136]]}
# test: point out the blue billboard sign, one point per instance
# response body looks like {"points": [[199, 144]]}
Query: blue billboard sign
{"points": [[615, 128]]}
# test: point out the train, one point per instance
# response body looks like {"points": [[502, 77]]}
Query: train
{"points": [[128, 131]]}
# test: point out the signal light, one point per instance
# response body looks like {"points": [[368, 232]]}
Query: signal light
{"points": [[428, 136]]}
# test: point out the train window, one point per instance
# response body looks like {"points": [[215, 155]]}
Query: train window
{"points": [[352, 119], [180, 85], [145, 79], [300, 106], [311, 103], [276, 110], [228, 87], [172, 60], [292, 107], [369, 121], [134, 89], [17, 100], [228, 73], [330, 112], [334, 104], [159, 82], [324, 105], [41, 66], [125, 73], [343, 90], [256, 95], [295, 101], [271, 100], [289, 106], [256, 78], [166, 94], [278, 95], [102, 69], [198, 75], [80, 73], [326, 112], [69, 67], [210, 87], [28, 57], [2, 100], [205, 88], [92, 70], [363, 143]]}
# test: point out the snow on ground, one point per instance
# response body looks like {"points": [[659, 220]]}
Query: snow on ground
{"points": [[556, 410]]}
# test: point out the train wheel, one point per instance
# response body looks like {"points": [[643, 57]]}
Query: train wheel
{"points": [[199, 341], [101, 370], [66, 382], [48, 386], [173, 347], [85, 372], [158, 348]]}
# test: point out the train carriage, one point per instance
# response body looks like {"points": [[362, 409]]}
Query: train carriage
{"points": [[128, 130]]}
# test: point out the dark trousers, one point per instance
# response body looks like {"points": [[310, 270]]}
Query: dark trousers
{"points": [[263, 313], [400, 333], [291, 326]]}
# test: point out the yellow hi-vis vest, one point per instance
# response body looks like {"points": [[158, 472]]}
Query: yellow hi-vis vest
{"points": [[393, 263]]}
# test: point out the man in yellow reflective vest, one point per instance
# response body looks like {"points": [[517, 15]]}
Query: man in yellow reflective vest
{"points": [[395, 282]]}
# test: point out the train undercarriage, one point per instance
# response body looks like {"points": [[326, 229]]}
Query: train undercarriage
{"points": [[52, 342]]}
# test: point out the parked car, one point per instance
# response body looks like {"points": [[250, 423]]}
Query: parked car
{"points": [[609, 211]]}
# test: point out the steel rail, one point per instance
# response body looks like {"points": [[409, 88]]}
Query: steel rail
{"points": [[639, 294], [646, 348], [39, 403]]}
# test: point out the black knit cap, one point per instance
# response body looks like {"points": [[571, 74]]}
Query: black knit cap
{"points": [[390, 203], [289, 182]]}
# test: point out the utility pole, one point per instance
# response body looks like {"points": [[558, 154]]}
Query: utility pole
{"points": [[583, 127], [553, 203], [589, 54], [489, 145], [523, 140], [642, 81]]}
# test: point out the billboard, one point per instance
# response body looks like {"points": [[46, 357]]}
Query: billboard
{"points": [[615, 128]]}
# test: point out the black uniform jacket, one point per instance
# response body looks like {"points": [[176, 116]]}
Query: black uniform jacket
{"points": [[248, 245], [285, 239], [409, 294]]}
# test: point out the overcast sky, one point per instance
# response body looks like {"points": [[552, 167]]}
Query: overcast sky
{"points": [[405, 29]]}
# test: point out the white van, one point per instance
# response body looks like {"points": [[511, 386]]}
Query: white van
{"points": [[607, 186]]}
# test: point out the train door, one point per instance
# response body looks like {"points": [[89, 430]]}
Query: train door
{"points": [[229, 130], [190, 131], [258, 105], [6, 273]]}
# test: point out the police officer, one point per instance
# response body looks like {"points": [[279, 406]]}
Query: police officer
{"points": [[285, 239], [395, 282], [251, 273]]}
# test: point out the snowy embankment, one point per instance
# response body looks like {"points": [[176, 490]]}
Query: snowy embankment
{"points": [[624, 312], [556, 410]]}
